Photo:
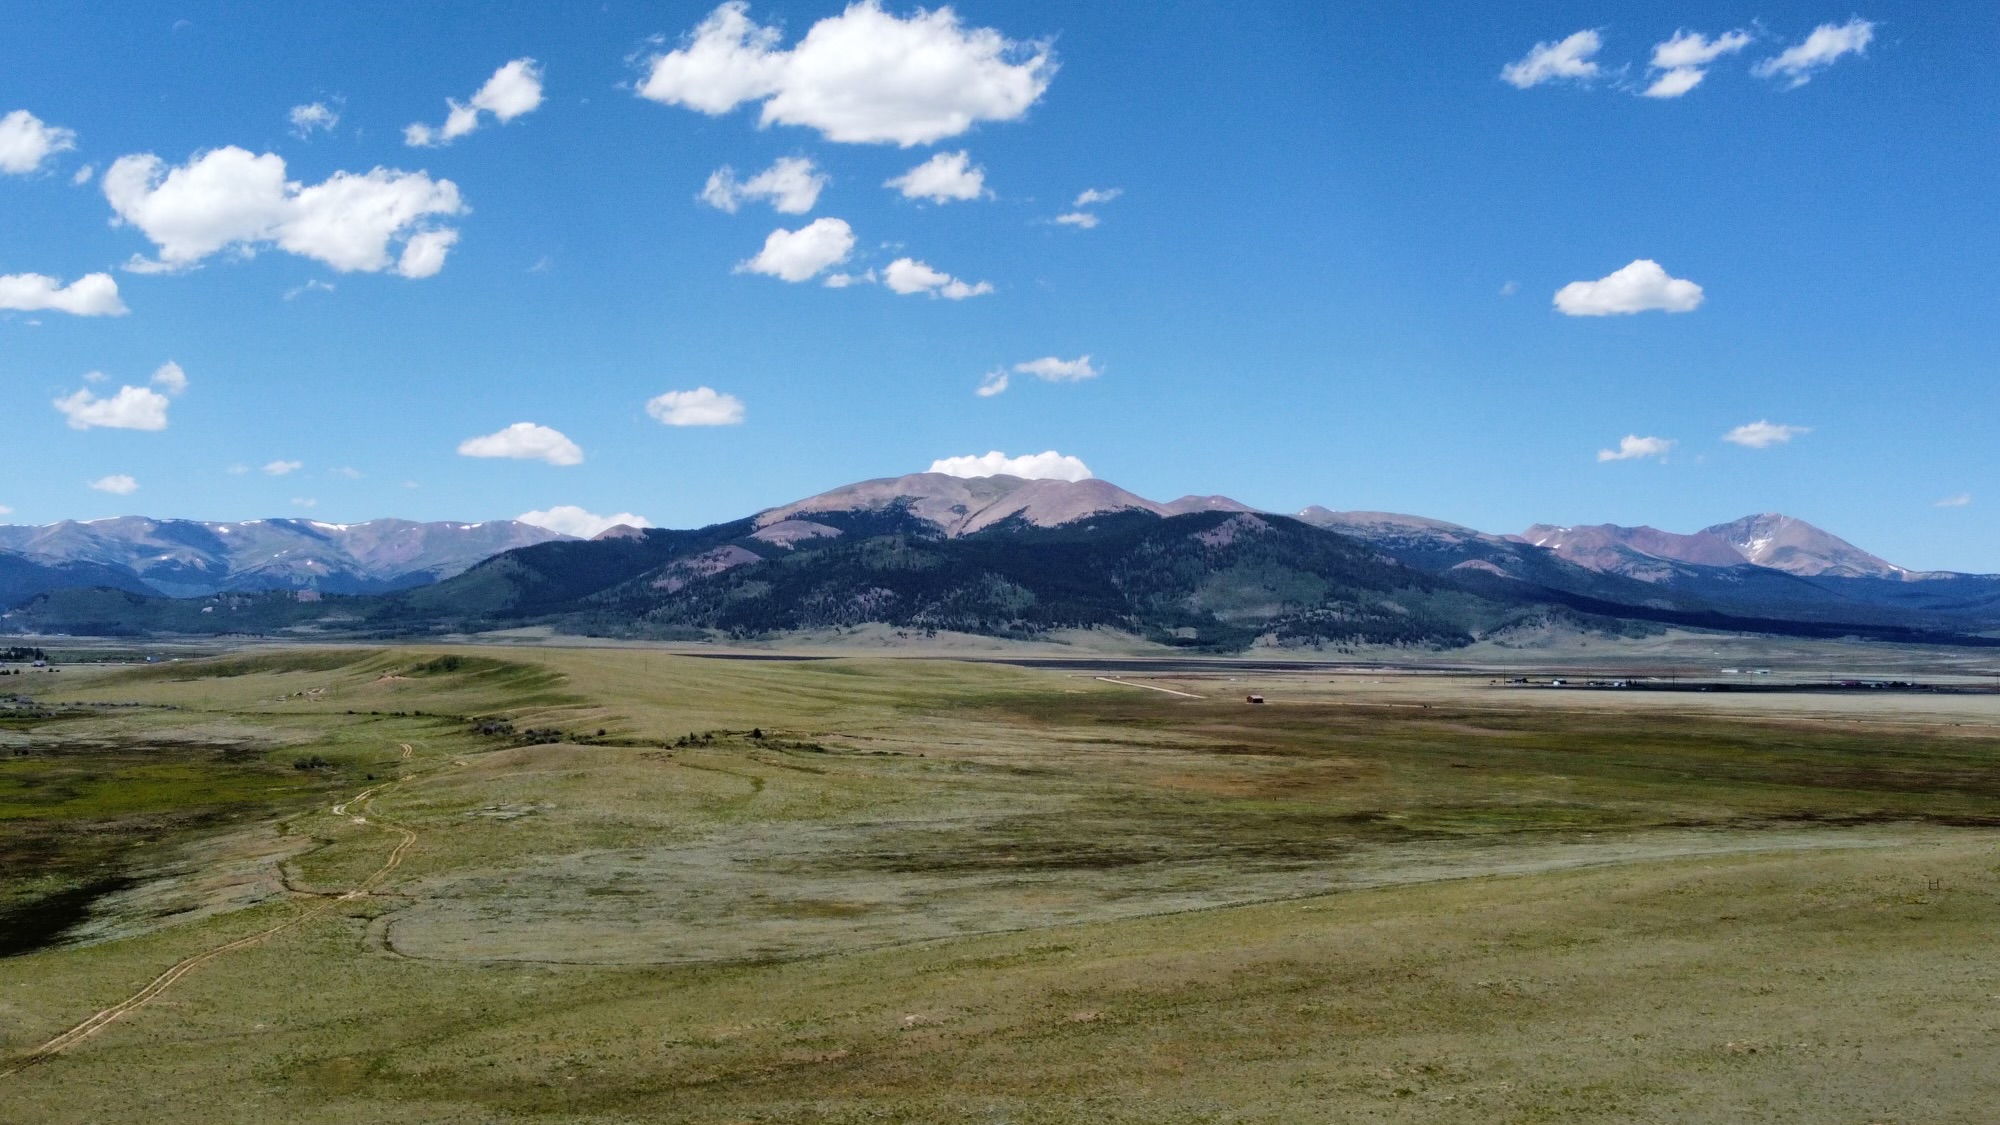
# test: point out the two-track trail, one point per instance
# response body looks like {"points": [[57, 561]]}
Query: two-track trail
{"points": [[168, 979]]}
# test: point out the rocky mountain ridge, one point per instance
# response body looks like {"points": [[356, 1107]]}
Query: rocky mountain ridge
{"points": [[187, 558]]}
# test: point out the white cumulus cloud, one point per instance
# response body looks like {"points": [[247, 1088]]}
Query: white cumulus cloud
{"points": [[907, 276], [994, 382], [791, 185], [1763, 435], [1570, 58], [1097, 195], [26, 141], [514, 89], [93, 294], [1048, 465], [117, 484], [1642, 286], [170, 378], [568, 519], [313, 117], [131, 408], [703, 406], [1682, 61], [1962, 500], [283, 468], [799, 255], [864, 76], [1081, 219], [943, 178], [1827, 43], [524, 441], [1632, 447], [230, 197]]}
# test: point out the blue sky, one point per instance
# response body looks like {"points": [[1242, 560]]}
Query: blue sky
{"points": [[1327, 275]]}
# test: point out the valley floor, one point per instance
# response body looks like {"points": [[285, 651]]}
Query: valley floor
{"points": [[621, 885]]}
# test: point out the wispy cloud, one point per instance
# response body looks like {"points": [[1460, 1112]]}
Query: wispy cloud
{"points": [[1962, 500], [908, 276], [1632, 447], [790, 185], [514, 89], [313, 117], [1826, 45], [1570, 59], [1682, 61], [1763, 435]]}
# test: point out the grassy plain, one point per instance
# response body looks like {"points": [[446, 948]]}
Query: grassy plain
{"points": [[925, 890]]}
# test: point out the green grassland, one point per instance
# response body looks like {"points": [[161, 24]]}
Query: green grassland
{"points": [[632, 886]]}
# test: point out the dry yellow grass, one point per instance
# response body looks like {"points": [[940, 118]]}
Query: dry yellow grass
{"points": [[937, 892]]}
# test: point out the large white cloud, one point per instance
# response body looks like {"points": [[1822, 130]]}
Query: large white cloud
{"points": [[1632, 447], [514, 89], [568, 519], [943, 178], [1763, 435], [117, 484], [1048, 465], [26, 141], [790, 184], [800, 255], [525, 441], [1570, 58], [1683, 60], [907, 276], [1827, 43], [864, 76], [1642, 286], [130, 408], [230, 197], [93, 294], [703, 406]]}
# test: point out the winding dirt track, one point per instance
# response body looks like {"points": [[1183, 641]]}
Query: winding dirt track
{"points": [[168, 979]]}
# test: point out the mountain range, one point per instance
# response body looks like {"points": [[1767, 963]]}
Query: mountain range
{"points": [[186, 558], [995, 555]]}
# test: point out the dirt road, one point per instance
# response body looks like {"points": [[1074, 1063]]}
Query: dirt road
{"points": [[168, 979]]}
